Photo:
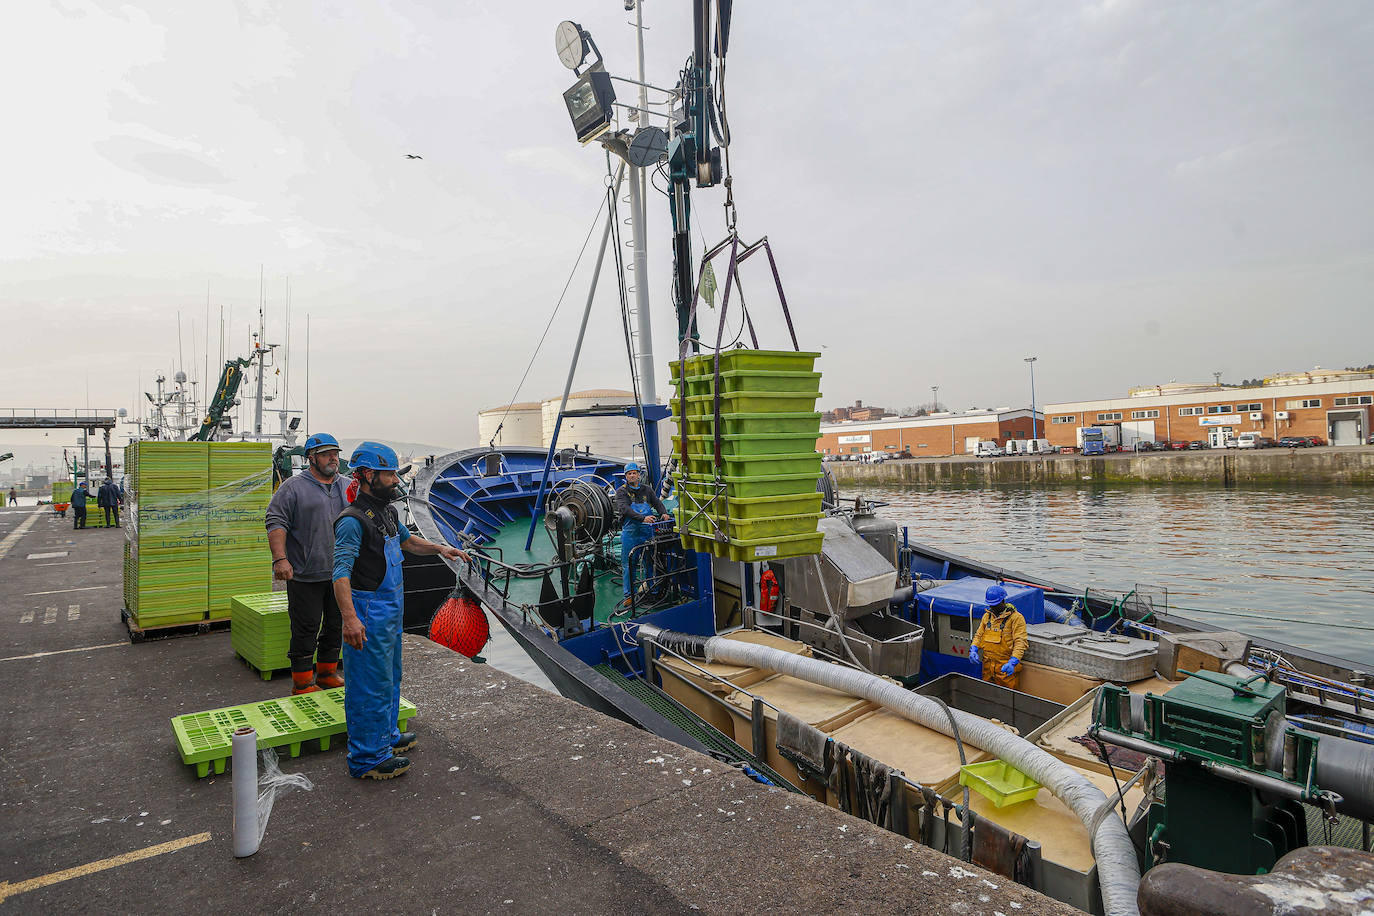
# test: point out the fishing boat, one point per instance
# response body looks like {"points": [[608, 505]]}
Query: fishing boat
{"points": [[828, 654]]}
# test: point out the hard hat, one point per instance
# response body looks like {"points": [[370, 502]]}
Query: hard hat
{"points": [[996, 595], [633, 466], [319, 441], [376, 457]]}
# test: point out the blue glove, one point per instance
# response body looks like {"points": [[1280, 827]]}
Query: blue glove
{"points": [[974, 655], [1010, 666]]}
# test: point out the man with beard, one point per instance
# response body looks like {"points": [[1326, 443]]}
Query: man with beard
{"points": [[368, 540], [300, 531]]}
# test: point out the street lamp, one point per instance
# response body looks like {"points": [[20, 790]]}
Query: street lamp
{"points": [[1031, 360]]}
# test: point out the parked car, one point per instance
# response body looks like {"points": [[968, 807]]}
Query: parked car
{"points": [[1197, 444], [1294, 442], [1179, 445], [1265, 442], [1315, 440], [1247, 440], [1144, 445]]}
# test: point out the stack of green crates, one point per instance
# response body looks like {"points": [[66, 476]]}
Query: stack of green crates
{"points": [[260, 630], [240, 560], [189, 541], [760, 501]]}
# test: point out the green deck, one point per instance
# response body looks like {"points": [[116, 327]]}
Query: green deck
{"points": [[511, 541]]}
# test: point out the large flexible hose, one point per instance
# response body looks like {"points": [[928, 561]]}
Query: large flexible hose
{"points": [[1118, 870]]}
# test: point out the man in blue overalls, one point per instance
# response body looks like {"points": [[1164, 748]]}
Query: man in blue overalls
{"points": [[638, 509], [368, 540]]}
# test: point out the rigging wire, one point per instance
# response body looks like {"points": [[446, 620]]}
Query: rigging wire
{"points": [[533, 356]]}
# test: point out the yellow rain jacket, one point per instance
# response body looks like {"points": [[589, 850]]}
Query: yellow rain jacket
{"points": [[1001, 636]]}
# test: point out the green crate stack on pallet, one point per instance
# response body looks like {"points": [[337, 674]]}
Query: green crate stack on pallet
{"points": [[762, 495], [260, 631], [240, 561], [167, 532]]}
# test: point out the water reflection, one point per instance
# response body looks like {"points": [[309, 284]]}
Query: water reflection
{"points": [[1299, 553]]}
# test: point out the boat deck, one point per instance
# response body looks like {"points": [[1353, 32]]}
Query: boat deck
{"points": [[519, 801], [511, 543]]}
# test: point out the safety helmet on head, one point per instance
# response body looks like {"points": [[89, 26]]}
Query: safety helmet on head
{"points": [[996, 594], [632, 466], [320, 441], [376, 457]]}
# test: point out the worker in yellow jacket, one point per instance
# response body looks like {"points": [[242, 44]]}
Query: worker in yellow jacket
{"points": [[1000, 641]]}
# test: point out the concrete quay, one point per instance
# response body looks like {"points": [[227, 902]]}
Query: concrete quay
{"points": [[1219, 467], [519, 801]]}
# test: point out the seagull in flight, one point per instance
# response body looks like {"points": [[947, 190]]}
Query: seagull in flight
{"points": [[413, 156]]}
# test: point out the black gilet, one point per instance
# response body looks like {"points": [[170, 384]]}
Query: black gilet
{"points": [[379, 521]]}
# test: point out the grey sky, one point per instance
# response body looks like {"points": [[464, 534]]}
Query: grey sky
{"points": [[1130, 191]]}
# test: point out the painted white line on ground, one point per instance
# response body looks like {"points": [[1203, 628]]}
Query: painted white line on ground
{"points": [[13, 537], [47, 556], [59, 591], [108, 645], [50, 615], [65, 563], [73, 612], [26, 617]]}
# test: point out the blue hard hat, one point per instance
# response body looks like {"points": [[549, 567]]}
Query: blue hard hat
{"points": [[320, 440], [633, 466], [996, 595], [375, 457]]}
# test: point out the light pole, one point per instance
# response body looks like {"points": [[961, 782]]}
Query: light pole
{"points": [[1031, 360], [934, 398]]}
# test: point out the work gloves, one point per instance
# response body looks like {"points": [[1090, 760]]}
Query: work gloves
{"points": [[974, 655], [1010, 666]]}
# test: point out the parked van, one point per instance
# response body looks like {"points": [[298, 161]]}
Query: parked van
{"points": [[988, 448], [1039, 447], [1247, 440]]}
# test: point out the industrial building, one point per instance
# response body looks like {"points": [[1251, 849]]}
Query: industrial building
{"points": [[1332, 405], [531, 423], [935, 435]]}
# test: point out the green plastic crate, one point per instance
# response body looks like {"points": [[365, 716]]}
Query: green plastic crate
{"points": [[751, 360], [746, 551], [698, 496], [999, 782], [803, 423], [753, 401], [752, 466], [747, 529], [771, 485], [741, 380], [751, 444]]}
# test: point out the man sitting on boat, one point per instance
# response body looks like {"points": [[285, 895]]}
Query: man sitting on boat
{"points": [[638, 507], [1000, 642]]}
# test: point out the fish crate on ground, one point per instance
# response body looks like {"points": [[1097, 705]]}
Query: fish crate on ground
{"points": [[260, 631]]}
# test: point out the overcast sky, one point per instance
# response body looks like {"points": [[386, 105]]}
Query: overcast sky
{"points": [[1131, 191]]}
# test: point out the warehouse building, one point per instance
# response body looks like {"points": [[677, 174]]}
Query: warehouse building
{"points": [[936, 435], [1332, 405]]}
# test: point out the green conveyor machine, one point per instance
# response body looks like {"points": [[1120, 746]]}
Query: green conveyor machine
{"points": [[747, 430]]}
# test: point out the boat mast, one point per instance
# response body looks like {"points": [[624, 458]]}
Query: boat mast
{"points": [[639, 229]]}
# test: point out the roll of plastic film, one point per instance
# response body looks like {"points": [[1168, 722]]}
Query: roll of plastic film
{"points": [[247, 836]]}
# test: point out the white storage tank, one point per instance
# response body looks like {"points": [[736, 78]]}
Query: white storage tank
{"points": [[617, 437], [520, 424]]}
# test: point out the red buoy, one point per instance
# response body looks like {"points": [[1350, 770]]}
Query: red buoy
{"points": [[461, 625]]}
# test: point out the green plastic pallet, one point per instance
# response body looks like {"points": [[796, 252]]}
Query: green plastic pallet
{"points": [[205, 739]]}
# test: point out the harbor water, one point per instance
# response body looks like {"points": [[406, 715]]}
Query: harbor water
{"points": [[1292, 564]]}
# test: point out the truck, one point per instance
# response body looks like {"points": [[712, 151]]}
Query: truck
{"points": [[1098, 440], [988, 448]]}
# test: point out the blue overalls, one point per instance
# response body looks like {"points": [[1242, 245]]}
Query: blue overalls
{"points": [[633, 534], [372, 699]]}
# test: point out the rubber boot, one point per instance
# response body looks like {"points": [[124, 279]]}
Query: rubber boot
{"points": [[302, 682], [327, 675]]}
